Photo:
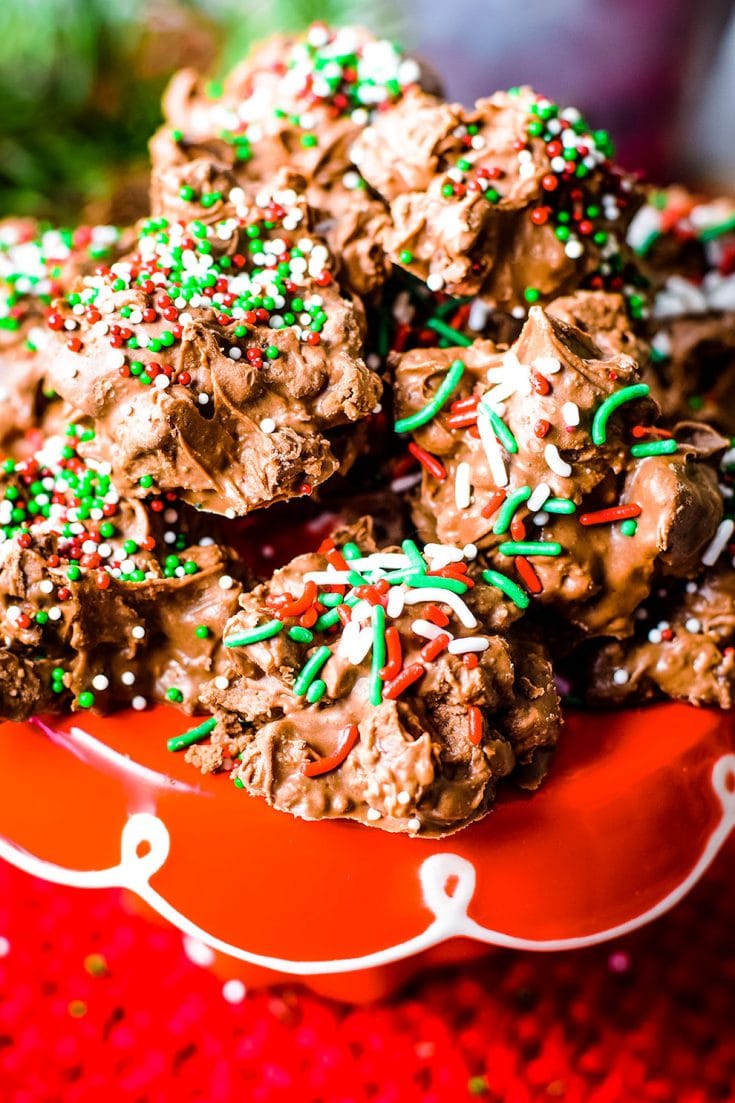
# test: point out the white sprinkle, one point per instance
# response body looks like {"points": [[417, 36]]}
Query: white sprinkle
{"points": [[203, 399], [234, 991], [139, 703], [491, 446], [570, 413], [403, 797], [541, 518], [226, 582], [396, 601], [54, 613], [477, 318], [46, 586], [462, 486], [373, 814], [405, 482], [469, 551], [137, 632], [693, 625], [441, 555], [127, 678], [268, 425], [413, 824], [574, 249], [100, 681], [328, 578], [467, 644], [235, 353], [620, 676], [547, 365], [539, 496], [654, 636], [4, 946], [555, 462], [719, 542], [427, 630], [442, 597], [435, 282]]}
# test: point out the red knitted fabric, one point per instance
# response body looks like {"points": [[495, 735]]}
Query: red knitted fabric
{"points": [[98, 1005]]}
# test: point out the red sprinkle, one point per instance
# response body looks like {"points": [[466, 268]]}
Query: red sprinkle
{"points": [[347, 740], [527, 574], [615, 513], [436, 615], [470, 660], [540, 383], [474, 725], [428, 462], [493, 505], [394, 654], [300, 604], [434, 647], [641, 431], [541, 428], [406, 678]]}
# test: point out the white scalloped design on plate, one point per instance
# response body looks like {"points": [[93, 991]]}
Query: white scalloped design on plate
{"points": [[135, 870]]}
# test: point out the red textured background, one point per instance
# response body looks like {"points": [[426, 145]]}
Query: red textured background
{"points": [[96, 1004]]}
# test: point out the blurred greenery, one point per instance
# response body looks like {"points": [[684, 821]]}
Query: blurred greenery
{"points": [[81, 80]]}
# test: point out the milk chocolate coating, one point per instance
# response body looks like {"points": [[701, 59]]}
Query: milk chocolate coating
{"points": [[90, 605], [684, 648], [276, 110], [413, 768], [601, 575], [36, 265], [463, 184], [227, 432]]}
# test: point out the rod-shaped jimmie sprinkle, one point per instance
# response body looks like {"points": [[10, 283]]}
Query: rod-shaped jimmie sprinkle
{"points": [[507, 586], [432, 408], [508, 508], [379, 655], [255, 635], [607, 408], [186, 739]]}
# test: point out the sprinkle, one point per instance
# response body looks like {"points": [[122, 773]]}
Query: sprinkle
{"points": [[428, 462], [547, 365], [503, 433], [434, 647], [442, 597], [719, 542], [310, 669], [100, 682], [432, 408], [462, 486], [316, 691], [127, 678], [629, 528], [468, 644], [394, 662], [527, 574], [427, 629], [414, 556], [508, 587], [300, 635], [606, 516], [559, 505], [611, 404], [510, 505], [268, 425], [255, 635], [653, 448], [474, 725], [451, 334], [493, 504], [570, 413], [179, 742], [347, 740], [620, 677], [530, 547], [406, 678], [539, 496], [491, 445], [555, 462], [226, 582], [378, 656], [137, 632]]}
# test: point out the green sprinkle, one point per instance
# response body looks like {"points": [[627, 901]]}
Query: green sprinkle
{"points": [[501, 430], [238, 783], [711, 232], [308, 141], [532, 294], [329, 600], [272, 352], [653, 448], [255, 635], [302, 635], [316, 691], [351, 551], [510, 588], [41, 617], [453, 335], [410, 549], [405, 257], [310, 669], [629, 527], [377, 661], [559, 505], [186, 193], [146, 481], [508, 508], [431, 409], [85, 700], [186, 739], [74, 573], [174, 695], [422, 581], [530, 547], [610, 405]]}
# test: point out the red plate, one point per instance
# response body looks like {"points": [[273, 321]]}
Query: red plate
{"points": [[635, 808]]}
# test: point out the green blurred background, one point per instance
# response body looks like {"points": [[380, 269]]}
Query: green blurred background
{"points": [[81, 80]]}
